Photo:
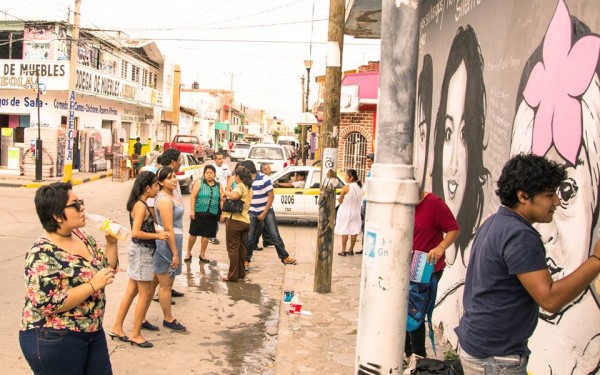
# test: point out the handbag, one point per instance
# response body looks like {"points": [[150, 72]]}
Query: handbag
{"points": [[234, 206]]}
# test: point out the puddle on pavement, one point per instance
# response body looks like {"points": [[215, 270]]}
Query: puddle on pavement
{"points": [[251, 347]]}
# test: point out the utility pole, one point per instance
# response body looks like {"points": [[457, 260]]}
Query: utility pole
{"points": [[68, 171], [392, 194], [38, 142], [331, 121]]}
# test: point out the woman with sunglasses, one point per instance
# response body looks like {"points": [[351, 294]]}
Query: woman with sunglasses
{"points": [[65, 275], [141, 250]]}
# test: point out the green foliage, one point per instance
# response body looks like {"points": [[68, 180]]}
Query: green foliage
{"points": [[298, 130], [450, 355], [275, 135]]}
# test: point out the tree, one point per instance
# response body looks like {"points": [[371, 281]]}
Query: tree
{"points": [[275, 135]]}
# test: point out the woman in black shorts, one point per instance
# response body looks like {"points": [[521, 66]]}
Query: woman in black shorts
{"points": [[204, 217]]}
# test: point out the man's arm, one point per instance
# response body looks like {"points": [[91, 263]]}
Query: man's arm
{"points": [[553, 295], [270, 199]]}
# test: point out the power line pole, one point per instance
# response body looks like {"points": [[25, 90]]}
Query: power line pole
{"points": [[392, 194], [331, 120], [68, 171]]}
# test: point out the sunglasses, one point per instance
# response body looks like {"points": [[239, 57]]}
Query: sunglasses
{"points": [[78, 205]]}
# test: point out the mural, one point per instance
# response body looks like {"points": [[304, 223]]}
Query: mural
{"points": [[547, 61]]}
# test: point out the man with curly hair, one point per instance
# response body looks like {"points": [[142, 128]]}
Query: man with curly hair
{"points": [[508, 279]]}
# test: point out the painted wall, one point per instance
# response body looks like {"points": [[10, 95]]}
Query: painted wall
{"points": [[497, 78]]}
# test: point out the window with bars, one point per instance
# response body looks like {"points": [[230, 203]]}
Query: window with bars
{"points": [[135, 73], [355, 154], [95, 58], [144, 77], [124, 69]]}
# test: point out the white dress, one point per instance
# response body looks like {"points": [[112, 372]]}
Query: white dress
{"points": [[348, 220]]}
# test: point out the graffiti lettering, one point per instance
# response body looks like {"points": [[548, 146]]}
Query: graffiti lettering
{"points": [[463, 7]]}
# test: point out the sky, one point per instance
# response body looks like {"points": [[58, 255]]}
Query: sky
{"points": [[256, 47]]}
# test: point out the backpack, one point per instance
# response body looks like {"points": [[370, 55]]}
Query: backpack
{"points": [[421, 301], [429, 366]]}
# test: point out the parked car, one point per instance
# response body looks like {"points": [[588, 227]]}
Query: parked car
{"points": [[240, 151], [299, 203], [190, 170], [189, 144], [278, 156], [293, 155]]}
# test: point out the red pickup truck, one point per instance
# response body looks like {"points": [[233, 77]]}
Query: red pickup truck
{"points": [[188, 143]]}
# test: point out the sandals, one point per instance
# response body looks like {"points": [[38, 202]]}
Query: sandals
{"points": [[346, 253], [187, 260], [358, 253], [204, 260]]}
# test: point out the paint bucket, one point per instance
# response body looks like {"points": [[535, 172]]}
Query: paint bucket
{"points": [[288, 295]]}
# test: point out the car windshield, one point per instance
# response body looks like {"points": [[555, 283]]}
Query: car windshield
{"points": [[269, 153]]}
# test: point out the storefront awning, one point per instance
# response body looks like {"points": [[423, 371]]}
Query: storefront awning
{"points": [[368, 83], [221, 126]]}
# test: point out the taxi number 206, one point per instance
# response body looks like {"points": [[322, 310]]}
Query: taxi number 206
{"points": [[287, 199]]}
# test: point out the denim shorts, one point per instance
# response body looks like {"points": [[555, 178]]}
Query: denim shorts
{"points": [[140, 263], [497, 365]]}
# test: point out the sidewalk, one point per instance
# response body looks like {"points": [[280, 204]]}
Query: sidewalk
{"points": [[325, 343], [8, 179]]}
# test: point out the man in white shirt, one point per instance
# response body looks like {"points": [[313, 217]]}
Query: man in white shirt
{"points": [[222, 177], [298, 183]]}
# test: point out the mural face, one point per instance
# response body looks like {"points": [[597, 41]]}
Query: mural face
{"points": [[455, 149], [539, 91], [421, 156]]}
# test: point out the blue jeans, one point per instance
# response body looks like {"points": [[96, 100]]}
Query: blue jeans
{"points": [[52, 351], [498, 365], [269, 226]]}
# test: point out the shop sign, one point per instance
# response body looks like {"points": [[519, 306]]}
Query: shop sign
{"points": [[22, 74]]}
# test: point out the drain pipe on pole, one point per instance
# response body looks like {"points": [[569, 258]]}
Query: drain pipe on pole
{"points": [[392, 194]]}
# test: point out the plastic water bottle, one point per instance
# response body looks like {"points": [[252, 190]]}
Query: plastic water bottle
{"points": [[295, 311], [105, 225]]}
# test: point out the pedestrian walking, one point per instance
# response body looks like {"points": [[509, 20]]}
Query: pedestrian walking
{"points": [[262, 216], [65, 276], [238, 225], [348, 219], [167, 258], [205, 204], [508, 280], [435, 229], [141, 250]]}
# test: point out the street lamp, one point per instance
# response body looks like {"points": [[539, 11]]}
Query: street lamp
{"points": [[307, 65]]}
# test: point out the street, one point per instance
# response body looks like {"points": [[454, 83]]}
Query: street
{"points": [[231, 328]]}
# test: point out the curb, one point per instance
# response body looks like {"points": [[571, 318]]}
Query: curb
{"points": [[74, 181]]}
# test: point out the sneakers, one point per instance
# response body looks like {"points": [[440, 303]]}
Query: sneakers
{"points": [[149, 326], [288, 261], [174, 325], [175, 293], [246, 266], [412, 364], [214, 241]]}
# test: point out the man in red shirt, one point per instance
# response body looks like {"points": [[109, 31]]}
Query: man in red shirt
{"points": [[435, 230]]}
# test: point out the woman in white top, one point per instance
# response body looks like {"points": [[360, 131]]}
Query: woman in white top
{"points": [[348, 221]]}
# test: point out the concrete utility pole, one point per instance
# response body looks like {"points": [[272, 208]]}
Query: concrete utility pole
{"points": [[392, 194], [68, 171], [331, 121]]}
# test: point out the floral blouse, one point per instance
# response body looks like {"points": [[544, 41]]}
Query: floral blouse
{"points": [[49, 274]]}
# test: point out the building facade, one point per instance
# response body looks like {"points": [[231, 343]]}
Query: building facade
{"points": [[119, 83]]}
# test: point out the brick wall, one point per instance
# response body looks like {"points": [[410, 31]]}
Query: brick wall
{"points": [[361, 122]]}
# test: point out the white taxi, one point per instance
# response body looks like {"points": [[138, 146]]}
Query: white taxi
{"points": [[190, 170], [301, 202]]}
